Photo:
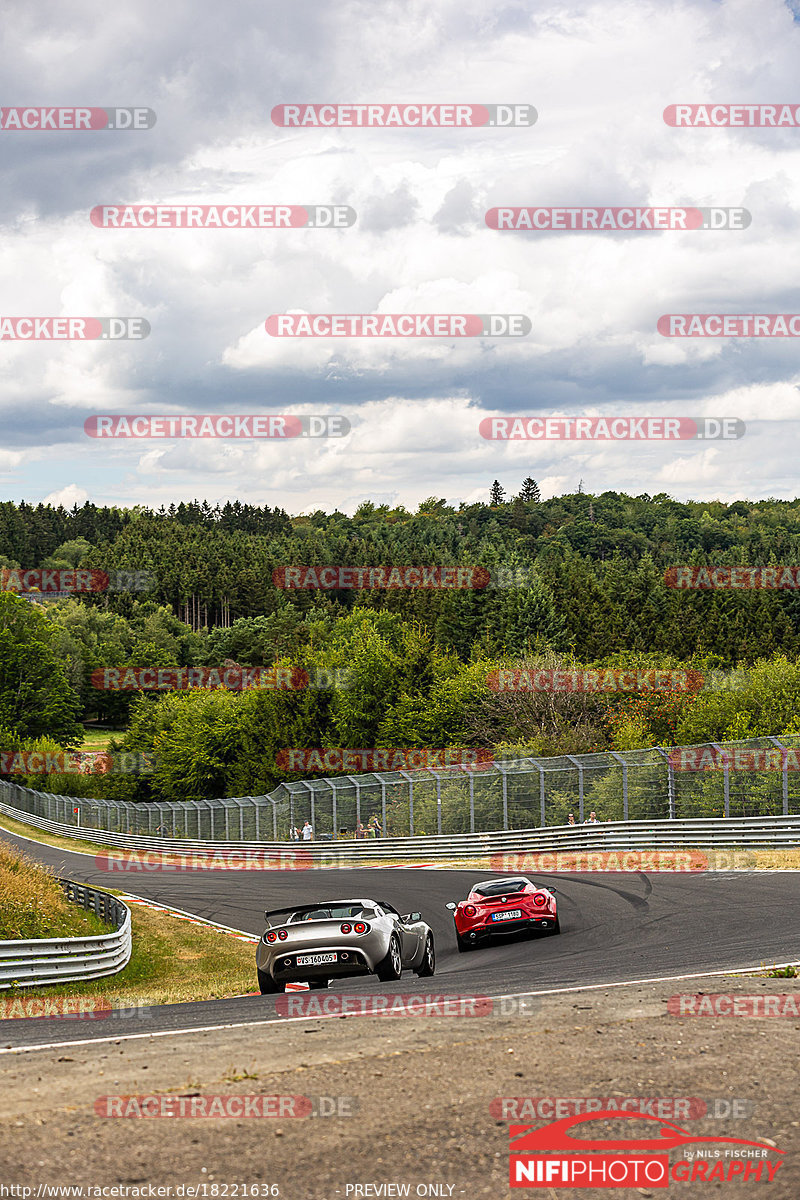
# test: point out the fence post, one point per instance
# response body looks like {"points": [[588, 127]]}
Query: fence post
{"points": [[383, 808], [670, 781], [620, 759], [726, 776], [505, 799], [438, 803], [574, 760], [784, 772], [541, 793]]}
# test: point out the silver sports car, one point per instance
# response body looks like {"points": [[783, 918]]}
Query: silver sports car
{"points": [[330, 940]]}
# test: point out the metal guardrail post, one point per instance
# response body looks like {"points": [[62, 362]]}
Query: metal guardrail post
{"points": [[620, 759], [784, 772]]}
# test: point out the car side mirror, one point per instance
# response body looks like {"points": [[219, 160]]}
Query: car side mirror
{"points": [[451, 906]]}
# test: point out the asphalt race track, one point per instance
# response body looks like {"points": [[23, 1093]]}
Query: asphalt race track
{"points": [[615, 928]]}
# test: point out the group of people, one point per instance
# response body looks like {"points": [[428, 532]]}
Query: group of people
{"points": [[306, 834], [590, 820]]}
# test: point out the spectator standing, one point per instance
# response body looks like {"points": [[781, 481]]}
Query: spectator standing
{"points": [[308, 832], [571, 819], [374, 827], [591, 819]]}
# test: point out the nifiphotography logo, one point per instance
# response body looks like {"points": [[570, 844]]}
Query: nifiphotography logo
{"points": [[551, 1157]]}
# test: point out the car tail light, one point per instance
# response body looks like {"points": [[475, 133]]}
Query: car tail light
{"points": [[282, 934], [469, 910], [540, 900], [272, 937], [360, 927], [346, 928]]}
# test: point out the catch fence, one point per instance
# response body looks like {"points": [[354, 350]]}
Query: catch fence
{"points": [[754, 778]]}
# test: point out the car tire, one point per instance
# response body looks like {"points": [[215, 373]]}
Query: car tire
{"points": [[556, 928], [428, 965], [317, 985], [267, 985], [391, 967], [463, 945]]}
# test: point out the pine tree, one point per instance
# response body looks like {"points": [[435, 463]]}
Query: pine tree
{"points": [[530, 490], [496, 494]]}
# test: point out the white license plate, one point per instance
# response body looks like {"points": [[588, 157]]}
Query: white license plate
{"points": [[507, 916], [315, 960]]}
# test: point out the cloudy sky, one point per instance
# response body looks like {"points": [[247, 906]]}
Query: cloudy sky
{"points": [[599, 76]]}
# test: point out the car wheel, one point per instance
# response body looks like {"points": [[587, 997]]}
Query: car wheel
{"points": [[428, 965], [317, 985], [462, 944], [267, 985], [391, 967], [556, 928]]}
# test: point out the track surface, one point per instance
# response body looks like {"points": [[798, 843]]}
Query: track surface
{"points": [[615, 928]]}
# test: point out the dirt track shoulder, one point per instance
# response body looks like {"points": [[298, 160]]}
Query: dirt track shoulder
{"points": [[422, 1088]]}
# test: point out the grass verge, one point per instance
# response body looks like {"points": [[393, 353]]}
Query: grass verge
{"points": [[33, 904], [172, 962]]}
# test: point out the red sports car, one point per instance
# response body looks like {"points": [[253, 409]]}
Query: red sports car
{"points": [[503, 906]]}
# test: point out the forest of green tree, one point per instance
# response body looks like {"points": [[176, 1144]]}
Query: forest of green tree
{"points": [[575, 580]]}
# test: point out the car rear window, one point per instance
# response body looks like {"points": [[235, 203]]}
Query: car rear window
{"points": [[501, 887], [338, 912]]}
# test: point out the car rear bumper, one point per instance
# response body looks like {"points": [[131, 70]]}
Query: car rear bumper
{"points": [[285, 968], [491, 929]]}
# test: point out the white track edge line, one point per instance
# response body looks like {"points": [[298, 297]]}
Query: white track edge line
{"points": [[589, 987]]}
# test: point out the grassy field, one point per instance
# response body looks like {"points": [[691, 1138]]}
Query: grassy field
{"points": [[98, 739], [33, 905]]}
